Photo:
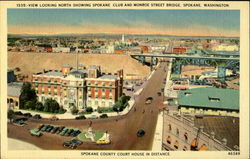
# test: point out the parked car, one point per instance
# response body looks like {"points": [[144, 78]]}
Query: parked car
{"points": [[75, 133], [69, 132], [44, 128], [18, 113], [37, 116], [27, 115], [60, 129], [54, 129], [54, 118], [93, 117], [72, 143], [140, 133], [40, 127], [64, 131], [103, 141], [19, 122], [35, 132], [49, 128], [149, 100], [80, 117]]}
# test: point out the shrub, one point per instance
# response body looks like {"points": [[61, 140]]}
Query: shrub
{"points": [[74, 110], [89, 109], [104, 116]]}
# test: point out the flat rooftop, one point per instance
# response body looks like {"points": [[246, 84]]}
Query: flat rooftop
{"points": [[223, 127], [210, 98]]}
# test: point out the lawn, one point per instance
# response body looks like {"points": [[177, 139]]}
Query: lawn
{"points": [[175, 76], [97, 135]]}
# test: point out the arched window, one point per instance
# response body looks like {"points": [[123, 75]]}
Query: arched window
{"points": [[184, 148], [169, 140], [186, 136], [176, 144], [194, 144]]}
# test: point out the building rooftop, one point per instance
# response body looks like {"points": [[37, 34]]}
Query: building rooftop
{"points": [[223, 127], [14, 89], [66, 66], [108, 77], [78, 71], [52, 73], [93, 67], [215, 98]]}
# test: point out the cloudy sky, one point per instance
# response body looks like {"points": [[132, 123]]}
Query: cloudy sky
{"points": [[171, 22]]}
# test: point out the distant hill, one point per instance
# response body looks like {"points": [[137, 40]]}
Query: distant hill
{"points": [[36, 62]]}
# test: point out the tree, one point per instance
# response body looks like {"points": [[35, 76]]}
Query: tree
{"points": [[89, 109], [27, 94], [10, 114], [74, 110], [39, 106], [104, 116], [30, 105], [51, 105]]}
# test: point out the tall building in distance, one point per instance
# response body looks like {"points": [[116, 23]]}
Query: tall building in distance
{"points": [[123, 39], [80, 87]]}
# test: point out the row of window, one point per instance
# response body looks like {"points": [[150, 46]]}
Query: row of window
{"points": [[177, 132], [176, 143], [44, 80], [96, 103]]}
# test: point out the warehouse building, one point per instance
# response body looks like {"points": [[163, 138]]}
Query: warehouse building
{"points": [[209, 101]]}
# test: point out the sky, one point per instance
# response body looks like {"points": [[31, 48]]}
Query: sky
{"points": [[165, 22]]}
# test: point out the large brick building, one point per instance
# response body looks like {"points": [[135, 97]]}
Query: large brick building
{"points": [[81, 88]]}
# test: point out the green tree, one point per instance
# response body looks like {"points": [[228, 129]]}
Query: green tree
{"points": [[30, 105], [10, 114], [39, 106], [74, 110], [89, 109], [27, 94], [51, 105]]}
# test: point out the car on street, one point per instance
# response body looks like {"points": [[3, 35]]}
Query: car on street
{"points": [[148, 100], [37, 116], [80, 117], [93, 117], [27, 115], [140, 133], [54, 118], [35, 132], [18, 113], [72, 143], [19, 122], [103, 141]]}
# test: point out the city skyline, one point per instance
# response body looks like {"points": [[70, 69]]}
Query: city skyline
{"points": [[164, 22]]}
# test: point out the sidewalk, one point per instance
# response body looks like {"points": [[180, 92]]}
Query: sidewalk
{"points": [[157, 142]]}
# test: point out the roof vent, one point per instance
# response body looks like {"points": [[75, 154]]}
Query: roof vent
{"points": [[214, 99]]}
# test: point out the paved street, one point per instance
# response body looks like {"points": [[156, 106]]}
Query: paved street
{"points": [[121, 128]]}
